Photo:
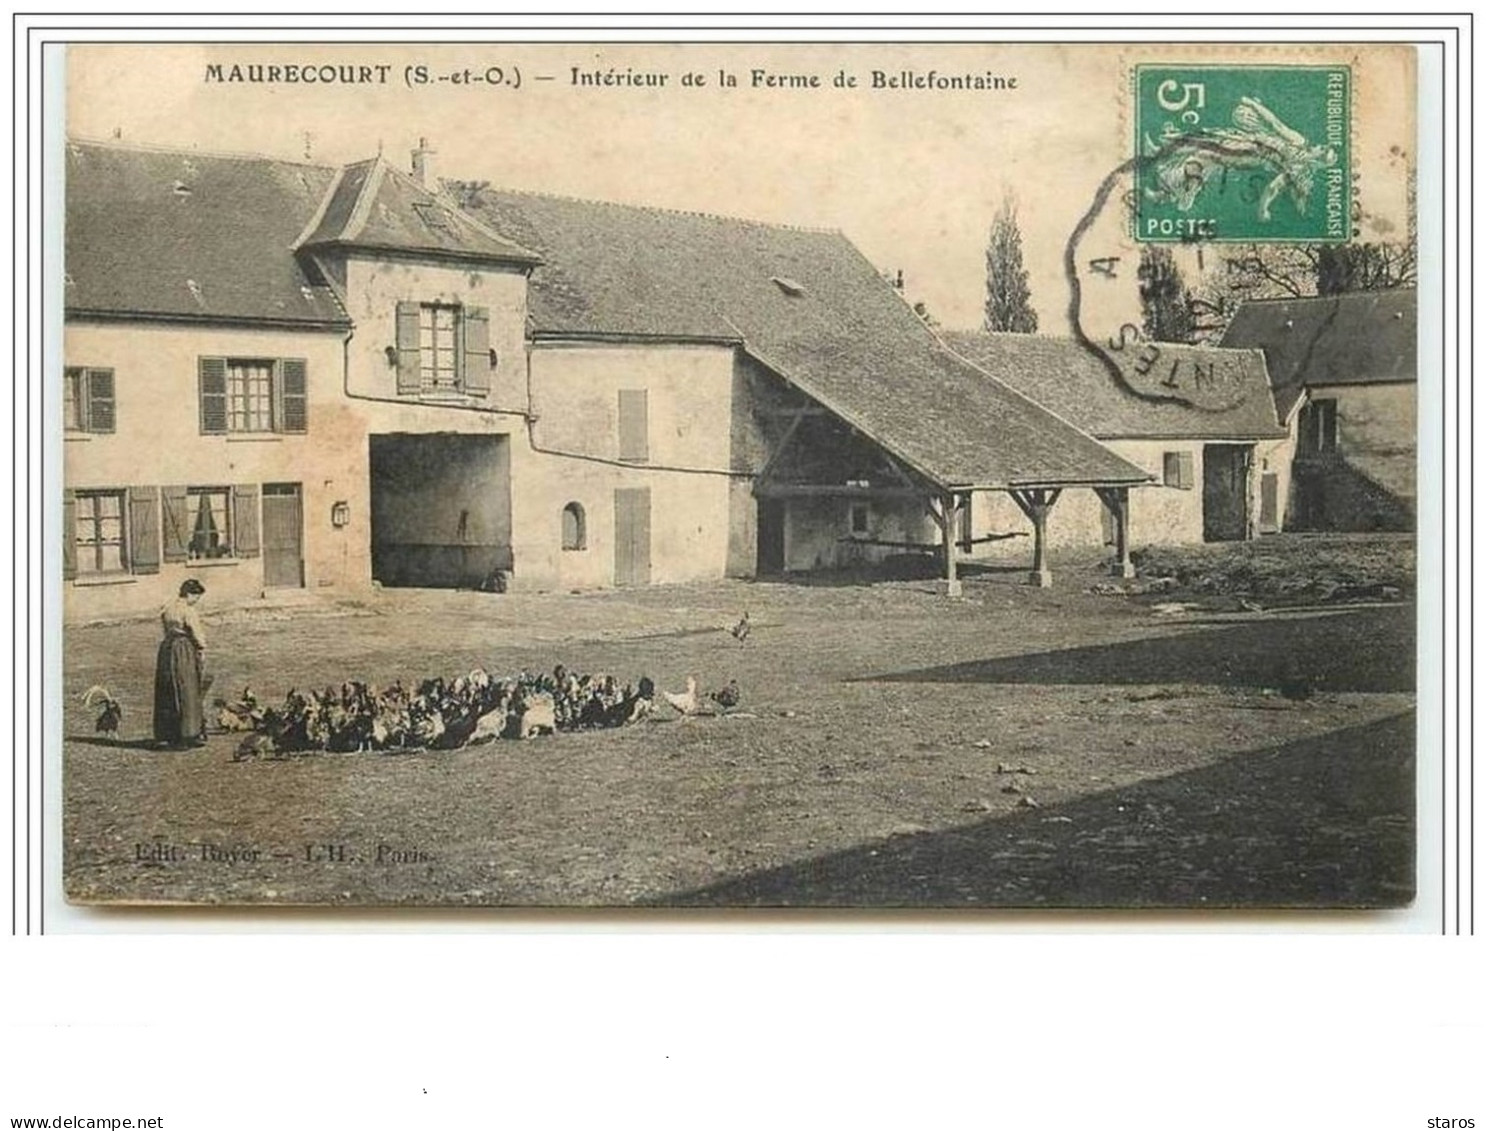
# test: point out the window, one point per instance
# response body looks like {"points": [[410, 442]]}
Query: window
{"points": [[99, 532], [860, 519], [249, 395], [1318, 428], [88, 400], [438, 362], [443, 349], [634, 425], [1176, 470], [207, 515], [574, 528]]}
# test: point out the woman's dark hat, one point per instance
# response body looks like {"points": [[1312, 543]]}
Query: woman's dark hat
{"points": [[190, 586]]}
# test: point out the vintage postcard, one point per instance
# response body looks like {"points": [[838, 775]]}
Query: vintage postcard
{"points": [[749, 475]]}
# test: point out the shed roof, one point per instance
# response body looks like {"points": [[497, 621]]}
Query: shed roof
{"points": [[1362, 338], [156, 233], [1063, 375], [806, 304]]}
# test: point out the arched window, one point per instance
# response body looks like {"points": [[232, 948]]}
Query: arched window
{"points": [[574, 528]]}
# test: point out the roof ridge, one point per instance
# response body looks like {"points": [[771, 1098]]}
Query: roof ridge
{"points": [[1375, 292], [1012, 335], [222, 154], [698, 213]]}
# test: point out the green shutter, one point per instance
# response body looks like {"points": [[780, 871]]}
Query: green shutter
{"points": [[69, 535], [175, 528], [100, 400], [144, 530], [293, 395], [634, 425], [245, 520], [409, 359], [476, 350], [212, 374]]}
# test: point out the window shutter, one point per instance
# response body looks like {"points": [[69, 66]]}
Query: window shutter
{"points": [[175, 527], [293, 395], [212, 372], [634, 425], [409, 376], [1184, 470], [476, 350], [144, 530], [100, 410], [245, 520], [69, 535]]}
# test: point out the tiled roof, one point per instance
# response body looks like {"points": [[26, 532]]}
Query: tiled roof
{"points": [[807, 305], [376, 207], [1363, 338], [190, 235], [1064, 376]]}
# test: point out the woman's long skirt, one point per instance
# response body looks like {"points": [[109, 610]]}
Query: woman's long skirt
{"points": [[179, 715]]}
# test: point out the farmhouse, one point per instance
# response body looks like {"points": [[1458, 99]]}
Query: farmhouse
{"points": [[290, 376], [1345, 373], [1217, 467]]}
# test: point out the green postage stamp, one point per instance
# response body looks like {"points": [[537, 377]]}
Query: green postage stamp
{"points": [[1246, 154]]}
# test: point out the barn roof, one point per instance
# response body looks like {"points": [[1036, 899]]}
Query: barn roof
{"points": [[1063, 375], [806, 304], [157, 233], [1363, 338]]}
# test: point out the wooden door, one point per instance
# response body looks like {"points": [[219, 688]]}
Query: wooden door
{"points": [[283, 536], [632, 536], [1225, 492], [1269, 502], [770, 537]]}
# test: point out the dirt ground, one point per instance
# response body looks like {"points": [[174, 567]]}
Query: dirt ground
{"points": [[894, 747]]}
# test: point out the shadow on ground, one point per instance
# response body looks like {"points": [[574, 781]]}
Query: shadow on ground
{"points": [[1322, 822], [1369, 650]]}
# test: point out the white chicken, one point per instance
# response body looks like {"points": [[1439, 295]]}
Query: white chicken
{"points": [[687, 704]]}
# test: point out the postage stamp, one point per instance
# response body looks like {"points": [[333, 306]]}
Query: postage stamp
{"points": [[1243, 153]]}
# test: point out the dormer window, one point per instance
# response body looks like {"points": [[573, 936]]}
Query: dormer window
{"points": [[432, 215]]}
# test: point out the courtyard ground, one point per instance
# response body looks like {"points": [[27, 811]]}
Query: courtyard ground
{"points": [[1012, 748]]}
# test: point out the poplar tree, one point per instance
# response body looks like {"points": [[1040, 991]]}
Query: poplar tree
{"points": [[1008, 297]]}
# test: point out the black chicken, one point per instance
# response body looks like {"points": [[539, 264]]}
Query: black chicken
{"points": [[726, 697], [111, 713]]}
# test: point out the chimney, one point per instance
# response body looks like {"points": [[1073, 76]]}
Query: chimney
{"points": [[423, 165]]}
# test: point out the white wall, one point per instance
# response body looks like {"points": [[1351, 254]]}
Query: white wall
{"points": [[575, 396], [374, 287]]}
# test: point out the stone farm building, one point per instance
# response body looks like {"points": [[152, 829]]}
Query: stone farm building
{"points": [[1217, 472], [292, 376], [1345, 376]]}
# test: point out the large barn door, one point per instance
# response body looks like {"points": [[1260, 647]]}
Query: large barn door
{"points": [[632, 536], [283, 536]]}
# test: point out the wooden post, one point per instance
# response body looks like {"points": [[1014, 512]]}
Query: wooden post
{"points": [[1117, 500], [945, 513], [951, 510], [1035, 503]]}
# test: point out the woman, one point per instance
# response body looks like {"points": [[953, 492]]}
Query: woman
{"points": [[180, 720]]}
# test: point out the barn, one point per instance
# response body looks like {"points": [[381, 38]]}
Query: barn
{"points": [[299, 379]]}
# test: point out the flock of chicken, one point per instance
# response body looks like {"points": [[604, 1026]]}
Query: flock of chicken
{"points": [[446, 715]]}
